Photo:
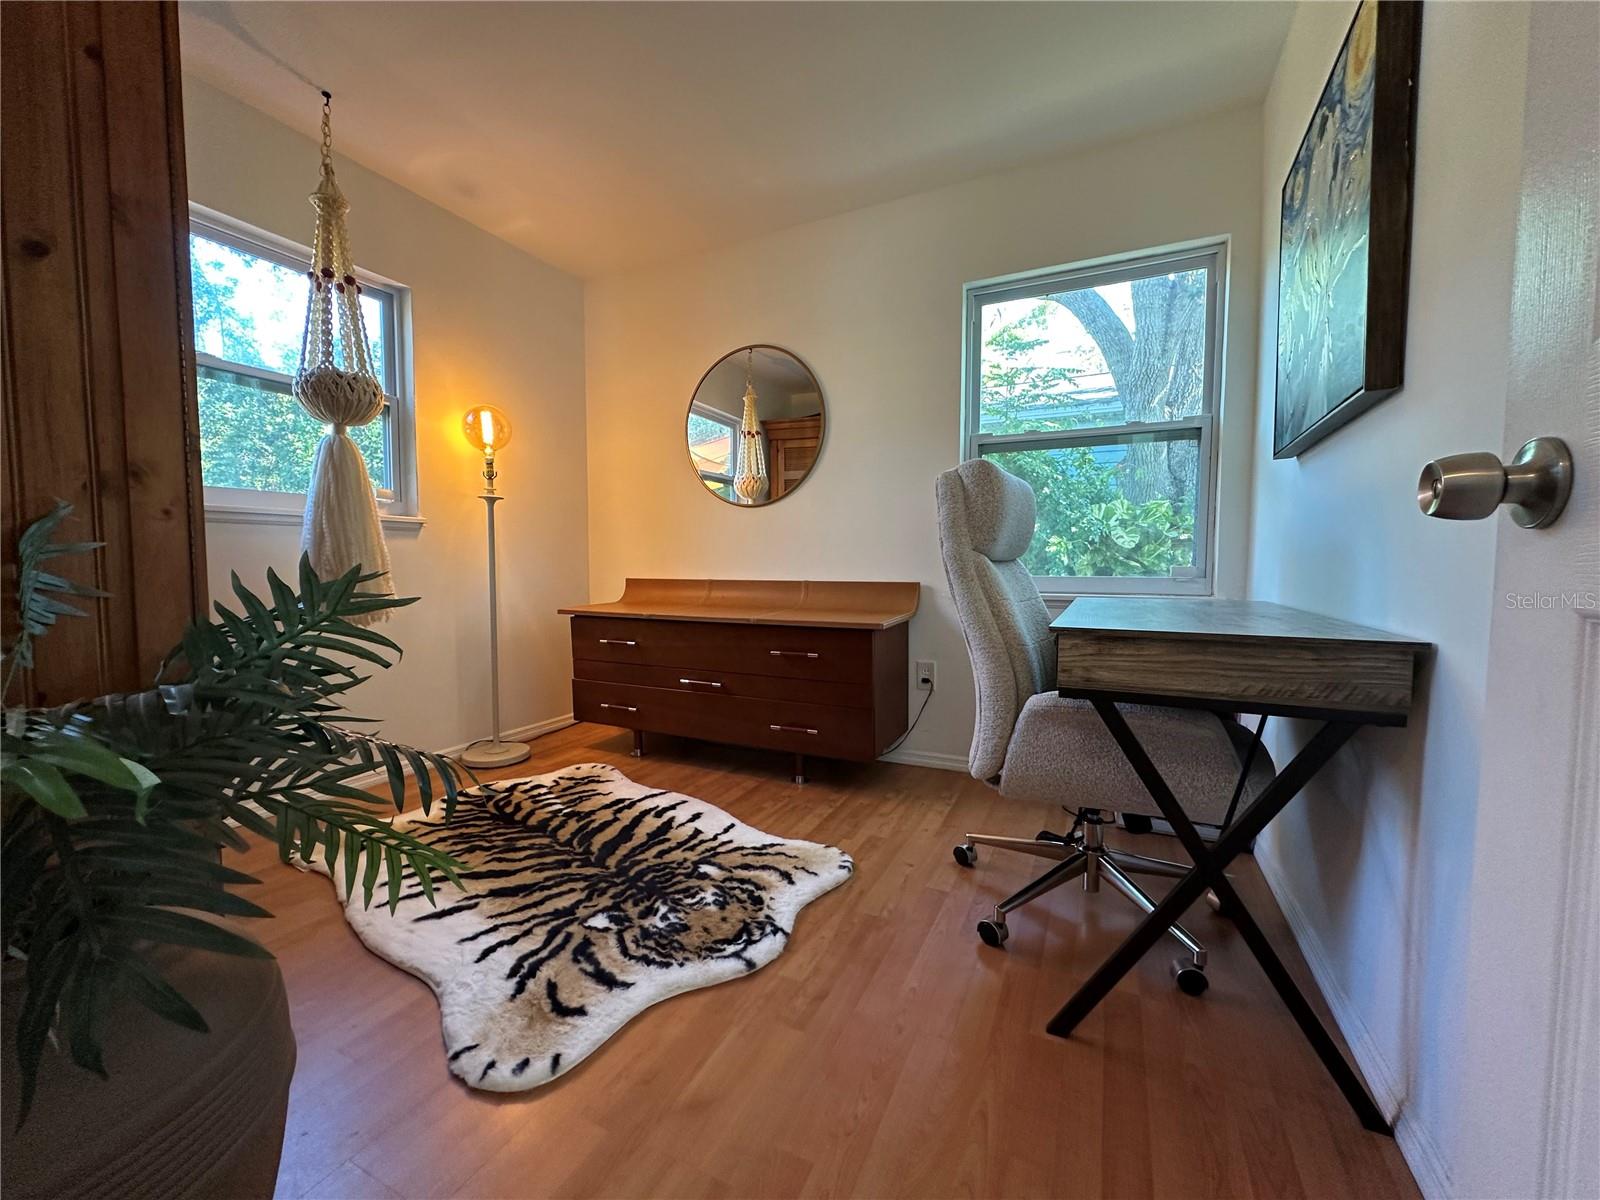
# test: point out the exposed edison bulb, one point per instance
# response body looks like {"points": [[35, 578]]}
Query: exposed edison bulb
{"points": [[487, 428]]}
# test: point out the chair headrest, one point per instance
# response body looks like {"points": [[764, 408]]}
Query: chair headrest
{"points": [[999, 509]]}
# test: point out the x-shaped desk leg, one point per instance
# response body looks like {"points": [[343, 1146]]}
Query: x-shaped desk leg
{"points": [[1209, 864]]}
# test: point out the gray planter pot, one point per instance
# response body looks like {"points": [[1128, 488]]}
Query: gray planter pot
{"points": [[184, 1114]]}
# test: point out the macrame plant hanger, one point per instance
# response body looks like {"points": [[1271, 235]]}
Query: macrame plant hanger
{"points": [[337, 383], [751, 478]]}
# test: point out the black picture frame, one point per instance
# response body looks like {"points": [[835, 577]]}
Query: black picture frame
{"points": [[1396, 57]]}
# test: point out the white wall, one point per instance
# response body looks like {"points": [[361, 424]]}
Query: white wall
{"points": [[490, 325], [871, 300], [1373, 865]]}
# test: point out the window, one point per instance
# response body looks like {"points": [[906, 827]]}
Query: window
{"points": [[1097, 385], [256, 443], [714, 448]]}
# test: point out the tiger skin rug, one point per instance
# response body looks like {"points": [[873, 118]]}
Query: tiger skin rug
{"points": [[587, 899]]}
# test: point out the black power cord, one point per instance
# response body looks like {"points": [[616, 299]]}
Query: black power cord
{"points": [[913, 728]]}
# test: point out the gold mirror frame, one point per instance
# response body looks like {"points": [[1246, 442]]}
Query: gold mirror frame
{"points": [[800, 445]]}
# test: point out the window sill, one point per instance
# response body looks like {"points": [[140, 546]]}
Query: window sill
{"points": [[1198, 588], [1055, 596], [241, 514]]}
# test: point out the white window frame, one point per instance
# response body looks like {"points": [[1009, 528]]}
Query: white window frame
{"points": [[1211, 254], [398, 504], [718, 417]]}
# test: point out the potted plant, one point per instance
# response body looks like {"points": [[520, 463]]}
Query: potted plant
{"points": [[114, 898]]}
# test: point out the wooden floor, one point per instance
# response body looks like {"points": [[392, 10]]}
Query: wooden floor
{"points": [[885, 1053]]}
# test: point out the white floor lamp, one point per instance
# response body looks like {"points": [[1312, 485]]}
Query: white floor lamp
{"points": [[488, 430]]}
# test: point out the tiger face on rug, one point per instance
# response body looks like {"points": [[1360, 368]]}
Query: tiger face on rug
{"points": [[587, 898]]}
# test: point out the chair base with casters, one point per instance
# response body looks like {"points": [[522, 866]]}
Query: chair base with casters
{"points": [[1082, 853]]}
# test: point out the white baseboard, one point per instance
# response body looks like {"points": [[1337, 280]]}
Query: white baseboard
{"points": [[1416, 1144], [913, 758], [520, 734], [927, 758]]}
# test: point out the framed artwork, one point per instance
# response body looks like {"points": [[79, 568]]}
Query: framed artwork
{"points": [[1346, 233]]}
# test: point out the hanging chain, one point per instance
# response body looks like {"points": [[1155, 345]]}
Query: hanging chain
{"points": [[333, 315], [327, 130], [745, 429]]}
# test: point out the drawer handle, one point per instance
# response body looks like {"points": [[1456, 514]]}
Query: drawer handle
{"points": [[623, 707], [793, 728], [616, 642], [794, 654], [702, 682]]}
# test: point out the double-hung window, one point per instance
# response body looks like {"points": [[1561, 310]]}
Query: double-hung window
{"points": [[1098, 385], [256, 443]]}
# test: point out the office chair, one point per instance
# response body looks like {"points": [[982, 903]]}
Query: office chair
{"points": [[1035, 745]]}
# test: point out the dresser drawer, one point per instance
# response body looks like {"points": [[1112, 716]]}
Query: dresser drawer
{"points": [[707, 681], [790, 652], [829, 730]]}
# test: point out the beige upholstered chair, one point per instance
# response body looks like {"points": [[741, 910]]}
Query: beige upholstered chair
{"points": [[1035, 745]]}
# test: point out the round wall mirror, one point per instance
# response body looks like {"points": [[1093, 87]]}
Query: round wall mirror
{"points": [[755, 425]]}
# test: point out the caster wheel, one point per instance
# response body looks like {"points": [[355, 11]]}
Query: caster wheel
{"points": [[966, 854], [1046, 835], [1191, 979], [993, 933], [1136, 822]]}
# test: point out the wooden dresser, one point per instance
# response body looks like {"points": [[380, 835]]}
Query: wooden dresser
{"points": [[812, 668]]}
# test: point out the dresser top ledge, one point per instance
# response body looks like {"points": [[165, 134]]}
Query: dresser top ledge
{"points": [[829, 603]]}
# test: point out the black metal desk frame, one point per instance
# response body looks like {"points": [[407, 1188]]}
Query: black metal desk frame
{"points": [[1209, 864]]}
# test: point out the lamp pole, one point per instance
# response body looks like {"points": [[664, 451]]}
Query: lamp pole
{"points": [[493, 752]]}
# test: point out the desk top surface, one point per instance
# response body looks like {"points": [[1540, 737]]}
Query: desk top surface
{"points": [[1185, 616], [832, 603]]}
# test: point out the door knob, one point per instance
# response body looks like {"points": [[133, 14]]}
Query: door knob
{"points": [[1469, 487]]}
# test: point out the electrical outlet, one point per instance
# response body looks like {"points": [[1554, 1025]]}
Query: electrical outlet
{"points": [[927, 669]]}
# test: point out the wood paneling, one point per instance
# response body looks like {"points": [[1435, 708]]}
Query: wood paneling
{"points": [[99, 400], [885, 1053]]}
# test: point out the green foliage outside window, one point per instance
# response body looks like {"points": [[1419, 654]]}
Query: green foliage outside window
{"points": [[1085, 527], [254, 435]]}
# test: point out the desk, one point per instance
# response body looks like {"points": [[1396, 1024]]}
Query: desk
{"points": [[1230, 656]]}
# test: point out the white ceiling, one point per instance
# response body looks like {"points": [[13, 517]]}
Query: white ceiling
{"points": [[601, 136]]}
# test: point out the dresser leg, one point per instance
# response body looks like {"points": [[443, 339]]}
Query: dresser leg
{"points": [[638, 743], [799, 768]]}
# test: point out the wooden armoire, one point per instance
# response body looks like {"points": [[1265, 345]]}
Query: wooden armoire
{"points": [[794, 446], [98, 373]]}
